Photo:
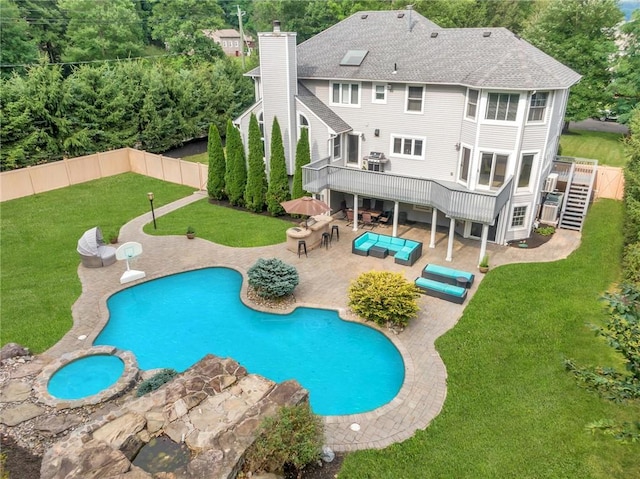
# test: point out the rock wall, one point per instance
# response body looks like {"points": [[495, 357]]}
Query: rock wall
{"points": [[215, 408]]}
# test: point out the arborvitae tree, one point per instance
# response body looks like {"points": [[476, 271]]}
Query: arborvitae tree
{"points": [[278, 181], [215, 178], [254, 196], [303, 157], [235, 177]]}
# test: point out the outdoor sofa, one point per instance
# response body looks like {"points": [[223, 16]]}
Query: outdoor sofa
{"points": [[449, 292], [405, 251], [447, 275]]}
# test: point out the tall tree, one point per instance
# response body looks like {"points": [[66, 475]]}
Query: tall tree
{"points": [[278, 190], [179, 25], [47, 25], [303, 157], [101, 29], [17, 47], [235, 177], [215, 178], [626, 73], [256, 179], [580, 34]]}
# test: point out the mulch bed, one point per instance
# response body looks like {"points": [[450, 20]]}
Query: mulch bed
{"points": [[532, 242], [20, 463]]}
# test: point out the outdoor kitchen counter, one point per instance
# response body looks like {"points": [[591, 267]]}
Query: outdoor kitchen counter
{"points": [[312, 234]]}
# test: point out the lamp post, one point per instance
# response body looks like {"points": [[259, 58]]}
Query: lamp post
{"points": [[153, 214]]}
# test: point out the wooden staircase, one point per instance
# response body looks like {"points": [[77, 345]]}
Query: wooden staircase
{"points": [[580, 181]]}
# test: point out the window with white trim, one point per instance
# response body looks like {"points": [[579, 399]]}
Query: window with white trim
{"points": [[524, 175], [303, 123], [236, 43], [345, 94], [415, 96], [472, 103], [379, 93], [538, 106], [224, 43], [261, 125], [465, 164], [493, 170], [502, 106], [337, 147], [518, 216], [408, 147]]}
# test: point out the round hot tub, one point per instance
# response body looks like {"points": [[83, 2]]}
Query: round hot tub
{"points": [[88, 376]]}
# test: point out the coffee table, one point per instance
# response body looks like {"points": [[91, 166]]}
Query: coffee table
{"points": [[378, 252]]}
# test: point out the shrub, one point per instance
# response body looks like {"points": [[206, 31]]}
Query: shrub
{"points": [[631, 263], [256, 190], [272, 278], [217, 164], [293, 437], [545, 230], [156, 381], [278, 190], [383, 297]]}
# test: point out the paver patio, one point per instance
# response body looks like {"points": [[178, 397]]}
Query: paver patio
{"points": [[324, 279]]}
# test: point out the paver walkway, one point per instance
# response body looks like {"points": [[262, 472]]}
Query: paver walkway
{"points": [[324, 279]]}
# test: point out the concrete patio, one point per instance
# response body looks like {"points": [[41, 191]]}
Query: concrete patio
{"points": [[324, 279]]}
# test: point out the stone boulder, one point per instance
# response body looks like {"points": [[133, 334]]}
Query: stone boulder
{"points": [[12, 350]]}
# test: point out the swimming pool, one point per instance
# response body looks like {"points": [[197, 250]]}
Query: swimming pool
{"points": [[174, 321], [85, 376]]}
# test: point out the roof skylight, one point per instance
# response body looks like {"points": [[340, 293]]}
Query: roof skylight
{"points": [[354, 58]]}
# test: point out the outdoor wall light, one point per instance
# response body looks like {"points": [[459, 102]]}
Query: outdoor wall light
{"points": [[376, 132]]}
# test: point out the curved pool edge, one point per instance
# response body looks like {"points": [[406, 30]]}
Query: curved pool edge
{"points": [[124, 383]]}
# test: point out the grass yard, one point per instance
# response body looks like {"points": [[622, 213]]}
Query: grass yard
{"points": [[605, 147], [39, 279], [512, 411], [222, 225], [199, 158]]}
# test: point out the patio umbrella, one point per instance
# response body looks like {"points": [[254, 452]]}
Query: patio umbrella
{"points": [[305, 205]]}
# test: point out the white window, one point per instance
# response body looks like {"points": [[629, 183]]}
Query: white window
{"points": [[379, 93], [538, 106], [345, 94], [408, 147], [465, 164], [224, 43], [303, 122], [414, 99], [502, 106], [472, 104], [261, 125], [518, 216], [237, 44], [493, 170], [337, 147], [524, 175]]}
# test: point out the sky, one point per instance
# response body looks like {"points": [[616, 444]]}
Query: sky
{"points": [[628, 6]]}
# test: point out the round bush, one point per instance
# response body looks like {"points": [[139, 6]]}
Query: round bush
{"points": [[272, 278], [385, 298]]}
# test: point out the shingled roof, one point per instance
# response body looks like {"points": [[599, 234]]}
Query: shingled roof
{"points": [[322, 111], [425, 53]]}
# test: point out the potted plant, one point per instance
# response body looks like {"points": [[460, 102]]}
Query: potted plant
{"points": [[191, 233], [484, 264]]}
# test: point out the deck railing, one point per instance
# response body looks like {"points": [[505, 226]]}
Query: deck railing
{"points": [[478, 206]]}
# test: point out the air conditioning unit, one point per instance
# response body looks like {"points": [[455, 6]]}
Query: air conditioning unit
{"points": [[549, 213], [550, 183]]}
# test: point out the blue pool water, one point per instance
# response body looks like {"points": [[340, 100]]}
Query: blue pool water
{"points": [[85, 376], [174, 321]]}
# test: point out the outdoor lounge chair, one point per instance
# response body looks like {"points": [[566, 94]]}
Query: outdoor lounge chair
{"points": [[93, 251]]}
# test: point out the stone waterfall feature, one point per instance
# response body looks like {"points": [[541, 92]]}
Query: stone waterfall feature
{"points": [[214, 408]]}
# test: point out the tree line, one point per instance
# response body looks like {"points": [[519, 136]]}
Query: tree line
{"points": [[150, 105]]}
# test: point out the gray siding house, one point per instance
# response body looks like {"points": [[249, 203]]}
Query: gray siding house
{"points": [[456, 127]]}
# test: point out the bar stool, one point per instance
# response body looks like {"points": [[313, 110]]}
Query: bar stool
{"points": [[337, 230], [302, 246], [326, 239]]}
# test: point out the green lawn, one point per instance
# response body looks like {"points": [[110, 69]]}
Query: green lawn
{"points": [[39, 279], [222, 225], [605, 147], [199, 158], [512, 411]]}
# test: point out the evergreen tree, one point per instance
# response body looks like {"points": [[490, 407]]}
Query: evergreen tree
{"points": [[303, 157], [256, 179], [215, 180], [278, 190], [235, 177], [17, 46]]}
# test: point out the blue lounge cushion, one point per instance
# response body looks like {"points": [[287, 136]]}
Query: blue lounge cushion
{"points": [[365, 245], [397, 241], [449, 272], [438, 286]]}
